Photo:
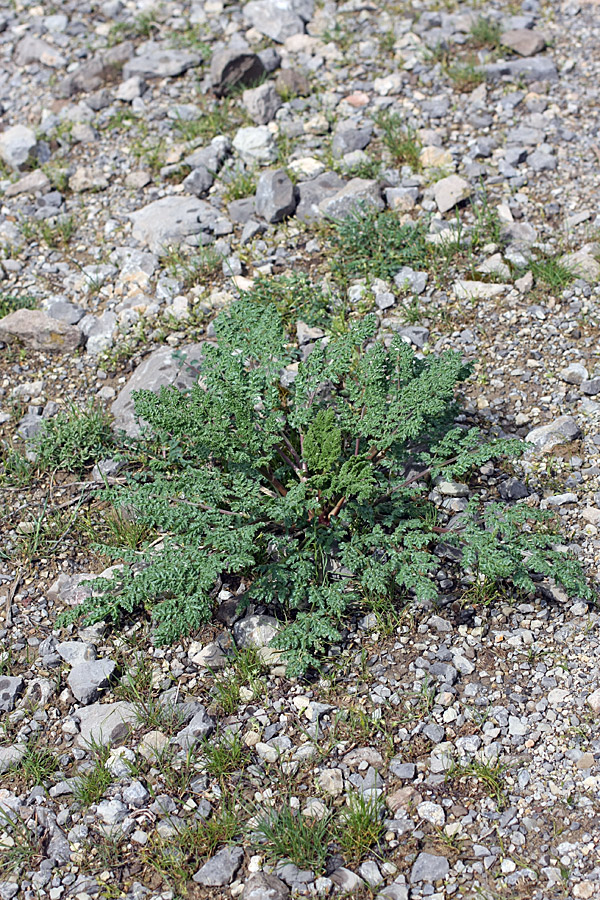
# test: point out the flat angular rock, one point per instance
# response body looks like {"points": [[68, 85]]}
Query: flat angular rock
{"points": [[428, 867], [478, 290], [262, 103], [233, 68], [11, 756], [17, 145], [93, 74], [105, 723], [276, 19], [32, 183], [34, 50], [255, 145], [534, 68], [157, 370], [312, 193], [275, 198], [350, 136], [168, 221], [200, 726], [199, 181], [523, 41], [11, 688], [38, 330], [584, 263], [358, 192], [563, 430], [75, 652], [451, 191], [156, 61], [221, 868], [261, 886], [85, 178], [256, 631], [86, 679]]}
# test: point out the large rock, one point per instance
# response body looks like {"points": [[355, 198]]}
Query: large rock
{"points": [[534, 68], [451, 191], [105, 723], [160, 369], [256, 145], [221, 868], [261, 886], [86, 679], [200, 726], [11, 687], [11, 756], [262, 103], [523, 41], [232, 68], [32, 183], [100, 69], [562, 430], [350, 136], [279, 19], [34, 50], [275, 198], [357, 193], [258, 632], [428, 867], [17, 145], [38, 330], [156, 61], [584, 262], [169, 221], [313, 192]]}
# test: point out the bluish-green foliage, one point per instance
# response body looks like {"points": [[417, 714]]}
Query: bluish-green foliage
{"points": [[316, 495]]}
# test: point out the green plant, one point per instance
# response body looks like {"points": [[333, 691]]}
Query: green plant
{"points": [[38, 763], [359, 826], [89, 785], [244, 670], [369, 242], [287, 834], [485, 33], [224, 757], [15, 469], [465, 76], [11, 302], [238, 182], [400, 140], [315, 496], [192, 268], [19, 845], [295, 297], [137, 687], [489, 773], [73, 439], [550, 271]]}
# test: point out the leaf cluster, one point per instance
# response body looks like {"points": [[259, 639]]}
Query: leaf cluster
{"points": [[316, 496]]}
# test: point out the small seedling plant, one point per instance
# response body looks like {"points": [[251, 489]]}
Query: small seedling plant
{"points": [[315, 496]]}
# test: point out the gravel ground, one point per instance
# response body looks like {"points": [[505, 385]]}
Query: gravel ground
{"points": [[445, 751]]}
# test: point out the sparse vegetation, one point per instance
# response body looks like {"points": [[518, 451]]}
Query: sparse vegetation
{"points": [[74, 439]]}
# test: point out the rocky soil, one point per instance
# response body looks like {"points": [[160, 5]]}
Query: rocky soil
{"points": [[155, 160]]}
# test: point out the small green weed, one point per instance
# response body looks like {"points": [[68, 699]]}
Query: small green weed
{"points": [[74, 439], [38, 764], [489, 774], [11, 302], [137, 687], [238, 182], [225, 756], [192, 268], [21, 847], [89, 785], [359, 826], [245, 670], [286, 834], [295, 297], [485, 33], [400, 140], [552, 273], [374, 243], [465, 76]]}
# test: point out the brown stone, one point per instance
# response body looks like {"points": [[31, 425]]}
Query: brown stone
{"points": [[403, 800], [38, 330]]}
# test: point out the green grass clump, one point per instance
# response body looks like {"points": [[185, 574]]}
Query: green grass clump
{"points": [[295, 297], [401, 141], [551, 272], [485, 33], [374, 243], [287, 834], [316, 496], [74, 439], [11, 302]]}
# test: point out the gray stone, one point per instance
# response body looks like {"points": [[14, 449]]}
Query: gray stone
{"points": [[36, 329], [350, 136], [71, 589], [275, 198], [256, 631], [393, 892], [17, 146], [346, 880], [11, 756], [86, 679], [11, 688], [312, 193], [8, 889], [168, 221], [451, 191], [221, 868], [434, 732], [591, 387], [233, 68], [369, 872], [241, 211], [255, 145], [135, 794], [408, 279], [155, 61], [358, 192], [105, 723], [99, 331], [32, 183], [199, 181], [535, 68], [261, 886], [111, 811], [93, 74], [405, 771], [277, 19], [542, 160], [428, 867], [66, 312], [75, 652], [200, 726], [212, 156], [262, 103], [562, 430], [157, 370], [574, 373], [523, 41]]}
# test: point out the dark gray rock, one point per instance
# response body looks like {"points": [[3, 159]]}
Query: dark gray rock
{"points": [[591, 387], [212, 156], [537, 68], [11, 688], [157, 61], [199, 181], [262, 103], [199, 727], [312, 193], [241, 211], [275, 197], [221, 868], [513, 489], [428, 867], [357, 193], [233, 68], [86, 679], [350, 136], [94, 73], [561, 431]]}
